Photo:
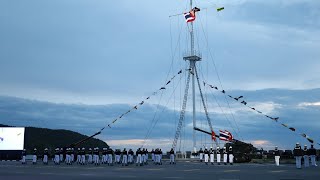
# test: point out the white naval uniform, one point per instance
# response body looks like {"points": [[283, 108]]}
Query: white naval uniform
{"points": [[218, 156], [206, 156], [201, 156], [34, 159], [211, 156], [306, 157], [45, 159], [125, 159]]}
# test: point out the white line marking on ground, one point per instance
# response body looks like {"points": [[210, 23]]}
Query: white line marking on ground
{"points": [[154, 169], [187, 170], [234, 170], [278, 171]]}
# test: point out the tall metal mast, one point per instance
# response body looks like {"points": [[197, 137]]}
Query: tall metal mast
{"points": [[193, 57], [192, 65]]}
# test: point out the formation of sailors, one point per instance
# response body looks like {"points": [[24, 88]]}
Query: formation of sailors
{"points": [[208, 156], [298, 154], [306, 153], [92, 156], [124, 157]]}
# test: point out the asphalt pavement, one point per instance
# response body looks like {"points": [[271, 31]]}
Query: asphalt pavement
{"points": [[181, 170]]}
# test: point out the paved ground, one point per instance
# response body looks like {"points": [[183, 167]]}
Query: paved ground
{"points": [[182, 170]]}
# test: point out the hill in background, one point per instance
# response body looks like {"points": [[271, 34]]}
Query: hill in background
{"points": [[42, 138]]}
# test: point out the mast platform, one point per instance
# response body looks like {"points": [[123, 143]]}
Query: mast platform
{"points": [[195, 56]]}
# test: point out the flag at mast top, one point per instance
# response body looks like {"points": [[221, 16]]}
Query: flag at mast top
{"points": [[191, 15]]}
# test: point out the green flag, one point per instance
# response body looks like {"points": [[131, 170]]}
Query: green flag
{"points": [[220, 9]]}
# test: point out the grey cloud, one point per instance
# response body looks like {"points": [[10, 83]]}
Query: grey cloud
{"points": [[89, 119]]}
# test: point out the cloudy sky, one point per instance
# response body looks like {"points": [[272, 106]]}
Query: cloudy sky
{"points": [[89, 61]]}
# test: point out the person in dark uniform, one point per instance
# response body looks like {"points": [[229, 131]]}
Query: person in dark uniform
{"points": [[130, 156], [45, 156], [152, 155], [97, 158], [297, 153], [146, 156], [143, 155], [104, 156], [61, 155], [160, 155], [117, 156], [172, 156], [57, 156], [306, 156], [124, 157], [69, 158], [313, 154], [90, 156], [83, 156], [276, 154], [139, 157], [201, 154], [35, 154], [206, 155], [110, 154], [23, 156]]}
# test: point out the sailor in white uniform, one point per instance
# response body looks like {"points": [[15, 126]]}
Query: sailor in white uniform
{"points": [[23, 160], [201, 154], [45, 156], [297, 153], [172, 156], [219, 155], [211, 156], [225, 155], [34, 157], [230, 153], [277, 156], [313, 154]]}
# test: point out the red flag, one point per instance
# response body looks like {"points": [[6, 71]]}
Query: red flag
{"points": [[213, 136]]}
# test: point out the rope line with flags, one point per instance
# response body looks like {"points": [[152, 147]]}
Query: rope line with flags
{"points": [[133, 108], [276, 119]]}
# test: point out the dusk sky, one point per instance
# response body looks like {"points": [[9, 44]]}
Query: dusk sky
{"points": [[88, 61]]}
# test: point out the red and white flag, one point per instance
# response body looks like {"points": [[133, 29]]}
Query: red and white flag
{"points": [[225, 135]]}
